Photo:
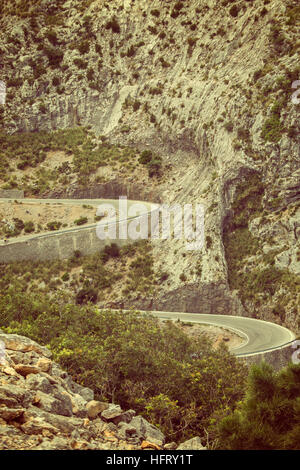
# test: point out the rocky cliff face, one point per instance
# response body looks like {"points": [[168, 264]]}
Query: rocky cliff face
{"points": [[42, 408], [208, 85]]}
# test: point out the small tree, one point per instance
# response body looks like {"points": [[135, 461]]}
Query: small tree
{"points": [[269, 416]]}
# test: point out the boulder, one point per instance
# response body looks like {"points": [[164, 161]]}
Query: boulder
{"points": [[125, 417], [9, 414], [25, 369], [14, 396], [59, 404], [38, 426], [78, 405], [170, 446], [192, 444], [113, 411], [86, 393], [38, 382], [44, 364], [63, 423], [147, 431], [94, 408], [126, 430], [149, 445], [9, 371], [23, 344], [57, 443]]}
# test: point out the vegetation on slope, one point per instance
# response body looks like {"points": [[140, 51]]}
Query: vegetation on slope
{"points": [[256, 284], [176, 382], [111, 274], [28, 150], [268, 418]]}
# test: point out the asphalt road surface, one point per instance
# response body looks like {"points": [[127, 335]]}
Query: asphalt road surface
{"points": [[258, 335]]}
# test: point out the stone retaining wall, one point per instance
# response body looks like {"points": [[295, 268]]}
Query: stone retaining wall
{"points": [[277, 358], [12, 193], [59, 245]]}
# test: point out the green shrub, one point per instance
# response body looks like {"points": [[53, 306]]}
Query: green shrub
{"points": [[209, 242], [131, 51], [243, 133], [52, 37], [55, 81], [83, 47], [42, 108], [154, 166], [80, 63], [272, 128], [53, 225], [268, 417], [29, 227], [14, 82], [98, 49], [191, 41], [229, 126], [86, 295], [65, 277], [155, 12], [177, 9], [234, 11], [19, 224], [110, 251], [152, 29], [293, 14], [146, 157], [81, 221], [54, 55], [113, 25], [90, 74], [136, 105]]}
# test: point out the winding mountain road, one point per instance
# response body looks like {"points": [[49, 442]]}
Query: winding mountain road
{"points": [[149, 206], [258, 335]]}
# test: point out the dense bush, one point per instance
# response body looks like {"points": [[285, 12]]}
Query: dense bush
{"points": [[83, 47], [234, 11], [81, 221], [131, 359], [29, 227], [145, 157], [86, 295], [30, 149], [269, 417], [52, 37], [155, 12], [110, 251], [113, 25], [153, 162], [272, 128], [55, 225], [154, 166], [177, 9], [80, 63], [54, 55]]}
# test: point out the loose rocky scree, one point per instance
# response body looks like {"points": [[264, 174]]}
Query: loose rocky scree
{"points": [[42, 408]]}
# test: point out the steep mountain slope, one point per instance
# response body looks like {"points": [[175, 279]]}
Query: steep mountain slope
{"points": [[208, 86]]}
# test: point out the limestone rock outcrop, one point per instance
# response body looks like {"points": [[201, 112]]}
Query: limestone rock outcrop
{"points": [[46, 410]]}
